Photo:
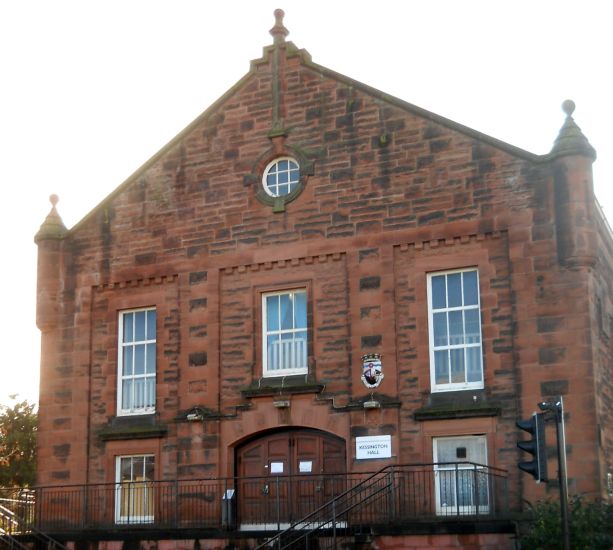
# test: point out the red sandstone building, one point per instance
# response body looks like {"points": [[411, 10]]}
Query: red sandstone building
{"points": [[204, 327]]}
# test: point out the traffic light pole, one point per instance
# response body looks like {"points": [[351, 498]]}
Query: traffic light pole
{"points": [[557, 407]]}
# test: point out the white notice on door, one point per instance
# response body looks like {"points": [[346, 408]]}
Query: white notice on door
{"points": [[374, 446], [276, 467], [305, 466]]}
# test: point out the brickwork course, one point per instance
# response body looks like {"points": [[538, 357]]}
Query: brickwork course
{"points": [[389, 193]]}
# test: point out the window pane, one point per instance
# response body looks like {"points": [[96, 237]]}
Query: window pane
{"points": [[272, 313], [439, 292], [447, 488], [127, 361], [287, 311], [139, 359], [283, 177], [138, 467], [446, 450], [454, 290], [283, 165], [457, 365], [139, 393], [294, 175], [126, 394], [483, 493], [150, 359], [440, 329], [471, 292], [139, 325], [273, 350], [441, 369], [149, 468], [292, 353], [149, 398], [301, 350], [456, 328], [128, 327], [300, 313], [473, 364], [465, 487], [476, 450], [472, 328], [151, 317], [126, 469]]}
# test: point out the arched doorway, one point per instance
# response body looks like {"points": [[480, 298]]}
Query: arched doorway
{"points": [[286, 474]]}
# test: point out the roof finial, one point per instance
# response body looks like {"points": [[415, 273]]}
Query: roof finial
{"points": [[568, 107], [54, 199], [279, 32]]}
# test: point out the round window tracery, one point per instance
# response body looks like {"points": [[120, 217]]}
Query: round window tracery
{"points": [[281, 177]]}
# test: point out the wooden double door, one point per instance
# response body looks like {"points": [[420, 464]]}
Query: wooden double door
{"points": [[285, 475]]}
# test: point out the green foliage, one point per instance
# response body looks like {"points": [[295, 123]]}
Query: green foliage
{"points": [[18, 445], [591, 526]]}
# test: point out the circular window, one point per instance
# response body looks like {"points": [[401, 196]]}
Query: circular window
{"points": [[281, 177]]}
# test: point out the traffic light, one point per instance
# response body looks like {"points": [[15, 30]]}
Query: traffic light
{"points": [[536, 446]]}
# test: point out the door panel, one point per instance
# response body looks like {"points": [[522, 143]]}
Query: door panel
{"points": [[334, 460], [287, 471]]}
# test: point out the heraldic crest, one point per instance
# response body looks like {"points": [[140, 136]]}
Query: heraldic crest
{"points": [[372, 370]]}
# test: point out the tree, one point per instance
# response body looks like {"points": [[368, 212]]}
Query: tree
{"points": [[18, 445]]}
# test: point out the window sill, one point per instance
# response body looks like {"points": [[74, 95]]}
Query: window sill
{"points": [[275, 385], [132, 427], [457, 404]]}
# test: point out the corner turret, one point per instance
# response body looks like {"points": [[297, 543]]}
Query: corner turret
{"points": [[572, 157], [48, 284]]}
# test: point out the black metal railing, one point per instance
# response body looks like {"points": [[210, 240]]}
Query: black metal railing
{"points": [[398, 494], [272, 503]]}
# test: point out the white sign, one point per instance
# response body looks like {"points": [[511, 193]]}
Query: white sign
{"points": [[374, 446], [276, 467]]}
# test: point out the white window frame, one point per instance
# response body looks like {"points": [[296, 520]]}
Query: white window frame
{"points": [[460, 476], [302, 369], [454, 386], [295, 182], [140, 493], [121, 345]]}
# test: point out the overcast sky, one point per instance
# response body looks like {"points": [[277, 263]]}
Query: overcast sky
{"points": [[91, 89]]}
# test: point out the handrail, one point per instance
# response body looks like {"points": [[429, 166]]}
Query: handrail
{"points": [[306, 520], [234, 478], [331, 523], [12, 541], [5, 535], [13, 518]]}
